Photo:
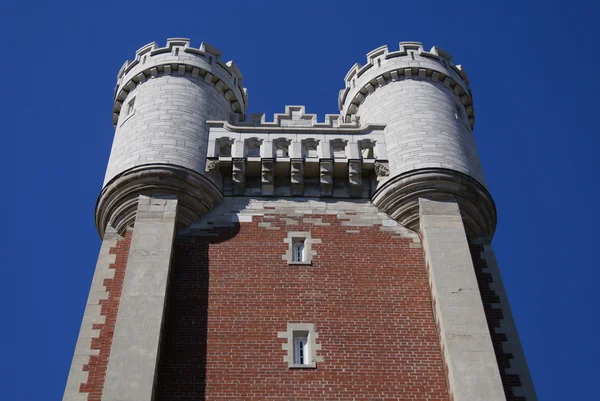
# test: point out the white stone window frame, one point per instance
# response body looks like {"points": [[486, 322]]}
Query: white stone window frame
{"points": [[305, 237], [299, 330], [129, 106]]}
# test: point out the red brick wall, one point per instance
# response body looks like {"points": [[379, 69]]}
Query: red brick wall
{"points": [[494, 315], [97, 365], [367, 294]]}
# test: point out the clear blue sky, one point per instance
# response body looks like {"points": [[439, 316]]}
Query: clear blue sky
{"points": [[532, 65]]}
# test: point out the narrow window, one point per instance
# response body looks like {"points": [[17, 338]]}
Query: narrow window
{"points": [[298, 250], [177, 51], [144, 60], [412, 55], [130, 105], [209, 59], [301, 351]]}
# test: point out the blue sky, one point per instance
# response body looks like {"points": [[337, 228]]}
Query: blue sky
{"points": [[532, 68]]}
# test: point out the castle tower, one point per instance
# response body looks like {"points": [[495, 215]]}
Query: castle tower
{"points": [[247, 259]]}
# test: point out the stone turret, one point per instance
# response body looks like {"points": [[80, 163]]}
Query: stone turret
{"points": [[163, 99], [425, 101]]}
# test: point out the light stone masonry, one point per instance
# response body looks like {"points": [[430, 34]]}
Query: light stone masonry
{"points": [[357, 213], [133, 359], [91, 316], [465, 338]]}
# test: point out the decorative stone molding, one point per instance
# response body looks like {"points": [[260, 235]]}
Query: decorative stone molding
{"points": [[117, 203], [381, 169], [212, 165], [410, 62], [399, 198]]}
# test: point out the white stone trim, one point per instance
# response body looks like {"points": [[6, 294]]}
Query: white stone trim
{"points": [[313, 347], [472, 368], [91, 316], [292, 237]]}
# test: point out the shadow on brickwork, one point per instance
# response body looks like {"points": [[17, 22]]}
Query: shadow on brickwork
{"points": [[181, 372]]}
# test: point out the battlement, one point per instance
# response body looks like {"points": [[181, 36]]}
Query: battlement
{"points": [[179, 58], [410, 62], [295, 116]]}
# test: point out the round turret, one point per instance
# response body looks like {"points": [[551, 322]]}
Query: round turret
{"points": [[426, 103], [162, 102]]}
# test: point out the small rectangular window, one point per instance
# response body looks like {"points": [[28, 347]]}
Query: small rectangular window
{"points": [[298, 250], [301, 351], [130, 105]]}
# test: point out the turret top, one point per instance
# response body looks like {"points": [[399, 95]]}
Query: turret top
{"points": [[178, 58], [410, 62]]}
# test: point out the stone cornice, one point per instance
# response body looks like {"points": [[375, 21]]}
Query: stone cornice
{"points": [[117, 204], [399, 198], [364, 129]]}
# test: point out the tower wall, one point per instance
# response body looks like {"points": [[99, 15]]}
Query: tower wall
{"points": [[425, 102], [233, 295], [422, 127], [174, 91], [163, 99], [167, 125]]}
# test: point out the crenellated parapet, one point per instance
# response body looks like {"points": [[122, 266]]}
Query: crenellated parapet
{"points": [[178, 58], [295, 116], [410, 62]]}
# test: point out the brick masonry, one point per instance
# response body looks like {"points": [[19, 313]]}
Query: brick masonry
{"points": [[88, 369], [366, 292]]}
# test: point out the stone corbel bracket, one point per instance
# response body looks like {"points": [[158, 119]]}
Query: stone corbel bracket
{"points": [[117, 204]]}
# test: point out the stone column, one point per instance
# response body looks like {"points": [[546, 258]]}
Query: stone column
{"points": [[465, 338], [134, 355]]}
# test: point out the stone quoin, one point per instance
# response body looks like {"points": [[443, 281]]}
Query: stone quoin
{"points": [[244, 258]]}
